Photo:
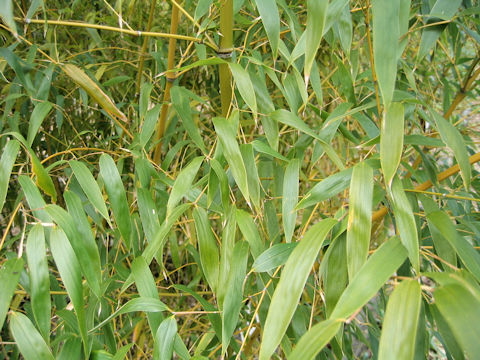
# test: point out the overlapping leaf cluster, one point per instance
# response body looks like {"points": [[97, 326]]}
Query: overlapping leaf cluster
{"points": [[328, 209]]}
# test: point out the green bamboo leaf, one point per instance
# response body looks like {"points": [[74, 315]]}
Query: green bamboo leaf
{"points": [[207, 247], [288, 118], [9, 275], [148, 213], [183, 183], [290, 198], [39, 280], [223, 179], [459, 306], [28, 339], [405, 222], [315, 340], [122, 352], [117, 196], [386, 33], [233, 295], [273, 257], [164, 339], [290, 287], [391, 141], [142, 304], [43, 180], [145, 91], [6, 13], [80, 238], [453, 139], [370, 278], [263, 148], [226, 133], [399, 328], [447, 336], [91, 87], [271, 22], [359, 217], [467, 253], [181, 103], [149, 123], [250, 232], [316, 15], [90, 187], [244, 86], [327, 188], [7, 161], [70, 272], [39, 113], [442, 10], [335, 276], [226, 253], [252, 179], [34, 199]]}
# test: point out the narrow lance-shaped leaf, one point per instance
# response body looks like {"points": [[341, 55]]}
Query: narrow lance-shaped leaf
{"points": [[207, 247], [7, 161], [386, 33], [43, 180], [28, 339], [452, 138], [117, 196], [227, 134], [252, 179], [6, 13], [373, 274], [183, 183], [70, 272], [273, 257], [90, 187], [149, 123], [405, 222], [271, 22], [399, 328], [164, 339], [290, 198], [359, 217], [34, 198], [460, 308], [244, 86], [39, 280], [9, 275], [250, 232], [39, 113], [316, 15], [391, 141], [290, 287]]}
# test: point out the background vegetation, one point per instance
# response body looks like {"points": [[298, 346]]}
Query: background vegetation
{"points": [[239, 179]]}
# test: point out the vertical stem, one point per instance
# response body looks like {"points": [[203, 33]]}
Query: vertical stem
{"points": [[225, 51], [170, 76], [144, 46]]}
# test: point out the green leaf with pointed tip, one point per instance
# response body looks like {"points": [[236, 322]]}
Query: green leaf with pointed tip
{"points": [[43, 180], [316, 16], [290, 198], [407, 228], [290, 287], [28, 339], [117, 196], [148, 213], [244, 86], [252, 179], [6, 13], [273, 257], [39, 280], [271, 22], [207, 247], [391, 141], [453, 139], [9, 275], [250, 232], [263, 148], [90, 187], [164, 339], [359, 217], [460, 307], [227, 135], [181, 103], [149, 123], [7, 161], [233, 296], [370, 278], [183, 183], [386, 33], [399, 328], [39, 113], [70, 272], [315, 340], [80, 238], [34, 198]]}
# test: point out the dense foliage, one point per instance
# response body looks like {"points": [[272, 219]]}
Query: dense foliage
{"points": [[239, 179]]}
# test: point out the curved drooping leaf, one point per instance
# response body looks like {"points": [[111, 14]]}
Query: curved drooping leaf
{"points": [[9, 275], [391, 140], [7, 161], [271, 22]]}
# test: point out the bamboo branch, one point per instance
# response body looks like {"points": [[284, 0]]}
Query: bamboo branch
{"points": [[225, 51], [144, 46]]}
